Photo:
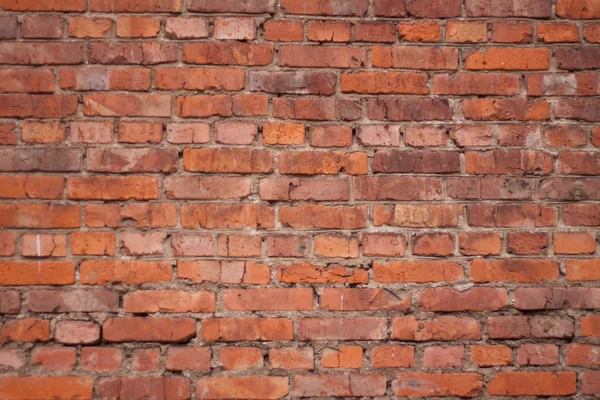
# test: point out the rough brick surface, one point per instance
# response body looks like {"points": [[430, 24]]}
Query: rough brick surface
{"points": [[264, 199]]}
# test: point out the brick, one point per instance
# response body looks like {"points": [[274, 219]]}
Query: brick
{"points": [[101, 359], [418, 9], [240, 358], [309, 273], [276, 133], [384, 83], [314, 109], [383, 245], [242, 387], [287, 246], [342, 329], [339, 385], [132, 160], [357, 8], [38, 53], [219, 161], [444, 357], [506, 109], [512, 32], [231, 272], [168, 301], [328, 31], [380, 32], [141, 243], [433, 385], [317, 216], [223, 53], [538, 354], [32, 187], [283, 31], [409, 57], [132, 53], [8, 134], [362, 299], [511, 215], [160, 388], [589, 326], [145, 359], [464, 83], [25, 330], [131, 272], [39, 159], [137, 27], [292, 358], [417, 31], [574, 243], [41, 216], [401, 161], [93, 243], [392, 109], [509, 162], [508, 327], [7, 244], [581, 215], [54, 358], [387, 356], [514, 270], [91, 132], [239, 245], [27, 81], [235, 132], [187, 132], [589, 382], [466, 32], [292, 82], [591, 33], [533, 383], [587, 9], [436, 245], [37, 273], [127, 105], [84, 27], [200, 79], [507, 8], [347, 357], [577, 58], [557, 33], [491, 356], [133, 6], [321, 57], [514, 59], [206, 188], [233, 6], [479, 243], [268, 299], [527, 243], [112, 188], [9, 28], [244, 329], [416, 271], [77, 332], [583, 270], [336, 246], [192, 245], [226, 216], [330, 136], [582, 354], [100, 79], [188, 359], [139, 329], [440, 328], [421, 216], [77, 300], [43, 245], [42, 27], [47, 387], [451, 300], [37, 106], [186, 28]]}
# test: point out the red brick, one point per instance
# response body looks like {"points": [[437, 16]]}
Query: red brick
{"points": [[581, 215], [131, 272], [417, 31], [417, 271], [591, 33], [41, 216], [91, 132], [112, 188], [479, 243], [323, 217], [27, 81], [466, 32], [382, 244], [432, 244], [42, 27], [31, 187], [244, 329], [232, 6], [475, 299], [507, 8], [134, 329], [393, 109], [315, 109], [588, 326], [242, 387], [342, 329], [309, 273], [44, 245], [268, 299], [433, 385], [159, 388], [186, 28], [137, 27], [169, 301], [37, 106], [384, 83], [137, 53], [491, 356], [25, 330], [356, 8], [187, 132], [93, 243], [514, 270], [188, 359], [77, 332], [415, 57], [84, 27], [223, 53], [444, 357], [585, 9], [100, 79], [328, 31], [101, 359], [54, 358], [538, 354], [339, 385], [330, 136], [231, 272], [77, 300], [133, 6], [527, 243], [219, 161], [512, 32], [392, 357], [19, 273], [7, 243], [283, 31], [418, 9], [583, 270], [381, 32], [583, 354], [589, 382], [47, 387], [293, 82], [30, 53], [362, 299], [115, 105], [523, 383], [511, 215], [8, 134], [145, 359], [336, 246], [321, 57], [292, 358], [440, 328], [347, 357], [240, 358]]}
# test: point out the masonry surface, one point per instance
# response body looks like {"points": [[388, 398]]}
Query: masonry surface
{"points": [[228, 199]]}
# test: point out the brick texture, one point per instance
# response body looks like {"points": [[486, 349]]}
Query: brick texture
{"points": [[265, 199]]}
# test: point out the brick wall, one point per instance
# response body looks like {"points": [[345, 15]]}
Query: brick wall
{"points": [[268, 199]]}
